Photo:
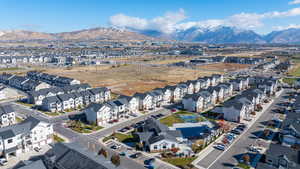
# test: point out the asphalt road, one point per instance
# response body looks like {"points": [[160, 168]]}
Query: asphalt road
{"points": [[217, 159]]}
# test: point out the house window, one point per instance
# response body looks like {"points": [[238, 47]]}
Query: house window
{"points": [[155, 147], [164, 146], [173, 145], [10, 141]]}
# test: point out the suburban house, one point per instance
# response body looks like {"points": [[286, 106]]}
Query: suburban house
{"points": [[73, 155], [208, 98], [157, 97], [232, 111], [99, 113], [175, 93], [218, 78], [228, 89], [207, 81], [193, 102], [7, 116], [36, 97], [24, 136], [237, 84], [183, 89], [67, 100], [156, 137], [52, 104], [203, 83], [280, 157], [132, 103], [118, 108], [191, 86], [145, 101], [166, 95], [218, 91]]}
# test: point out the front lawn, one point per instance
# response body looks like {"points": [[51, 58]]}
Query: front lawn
{"points": [[242, 165], [57, 138], [175, 118], [180, 162], [170, 120], [81, 127], [289, 81], [52, 113], [18, 119], [120, 137]]}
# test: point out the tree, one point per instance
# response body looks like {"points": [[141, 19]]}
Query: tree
{"points": [[246, 158], [266, 132], [103, 152], [115, 159]]}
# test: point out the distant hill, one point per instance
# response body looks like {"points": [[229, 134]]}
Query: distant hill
{"points": [[220, 34], [86, 34]]}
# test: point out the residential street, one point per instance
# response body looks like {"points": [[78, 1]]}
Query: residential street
{"points": [[225, 159]]}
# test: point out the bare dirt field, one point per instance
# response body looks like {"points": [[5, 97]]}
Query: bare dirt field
{"points": [[223, 67], [128, 79]]}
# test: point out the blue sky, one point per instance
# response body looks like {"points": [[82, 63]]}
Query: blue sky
{"points": [[262, 16]]}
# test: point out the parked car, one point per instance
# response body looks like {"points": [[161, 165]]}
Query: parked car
{"points": [[149, 161], [220, 147], [136, 155], [122, 154], [37, 149], [115, 147], [235, 132], [3, 161]]}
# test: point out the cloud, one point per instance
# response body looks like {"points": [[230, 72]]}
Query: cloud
{"points": [[164, 23], [278, 28], [294, 2], [173, 21]]}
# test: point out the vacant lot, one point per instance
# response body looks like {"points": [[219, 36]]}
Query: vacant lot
{"points": [[223, 67], [128, 79]]}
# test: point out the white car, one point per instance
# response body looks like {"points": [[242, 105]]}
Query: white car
{"points": [[3, 161]]}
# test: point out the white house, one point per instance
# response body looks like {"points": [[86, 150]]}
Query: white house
{"points": [[24, 137], [7, 116], [99, 113], [132, 103], [193, 102], [145, 101]]}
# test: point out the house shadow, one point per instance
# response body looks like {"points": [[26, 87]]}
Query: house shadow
{"points": [[78, 117], [230, 165]]}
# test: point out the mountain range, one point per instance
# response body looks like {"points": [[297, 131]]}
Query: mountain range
{"points": [[217, 35]]}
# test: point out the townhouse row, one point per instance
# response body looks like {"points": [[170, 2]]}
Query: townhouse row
{"points": [[249, 101], [53, 80], [36, 97], [75, 100], [22, 83], [113, 110], [24, 137]]}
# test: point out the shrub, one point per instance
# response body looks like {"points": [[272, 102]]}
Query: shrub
{"points": [[115, 159]]}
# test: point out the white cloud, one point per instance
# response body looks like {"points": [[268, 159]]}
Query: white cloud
{"points": [[164, 23], [286, 27], [294, 2], [172, 21]]}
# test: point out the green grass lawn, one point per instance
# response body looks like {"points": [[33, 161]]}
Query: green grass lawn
{"points": [[52, 113], [174, 118], [179, 161], [18, 119], [25, 104], [242, 165], [289, 81], [57, 138], [120, 137], [81, 127]]}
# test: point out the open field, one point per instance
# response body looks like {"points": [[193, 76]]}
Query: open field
{"points": [[128, 79], [223, 67]]}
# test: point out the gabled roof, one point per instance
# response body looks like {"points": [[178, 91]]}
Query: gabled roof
{"points": [[5, 109], [21, 128], [73, 155]]}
